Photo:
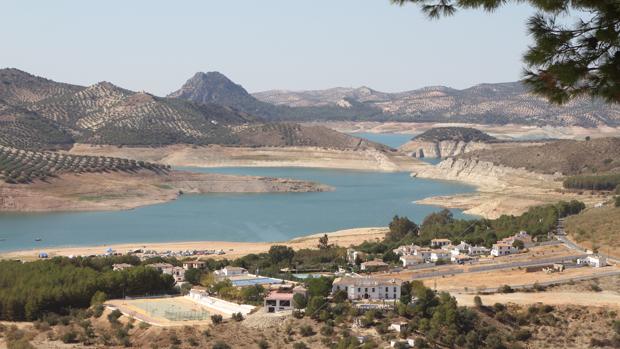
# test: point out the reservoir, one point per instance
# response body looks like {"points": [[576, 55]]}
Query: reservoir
{"points": [[360, 199]]}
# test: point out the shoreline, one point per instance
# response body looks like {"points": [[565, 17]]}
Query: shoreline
{"points": [[343, 238], [507, 131]]}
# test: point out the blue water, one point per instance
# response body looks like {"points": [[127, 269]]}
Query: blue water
{"points": [[393, 140], [360, 199]]}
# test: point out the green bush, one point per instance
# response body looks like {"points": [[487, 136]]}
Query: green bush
{"points": [[306, 330], [216, 319]]}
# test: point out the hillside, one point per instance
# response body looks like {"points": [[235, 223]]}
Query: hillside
{"points": [[24, 166], [569, 157], [37, 113], [18, 87], [500, 103], [458, 134]]}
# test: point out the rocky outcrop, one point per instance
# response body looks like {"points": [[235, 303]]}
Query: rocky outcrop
{"points": [[485, 174], [440, 149]]}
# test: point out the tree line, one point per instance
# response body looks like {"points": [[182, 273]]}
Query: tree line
{"points": [[28, 291]]}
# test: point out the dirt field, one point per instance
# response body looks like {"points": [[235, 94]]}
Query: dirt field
{"points": [[598, 299], [494, 279]]}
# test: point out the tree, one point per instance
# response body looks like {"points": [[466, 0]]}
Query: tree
{"points": [[518, 244], [565, 61], [324, 242], [280, 253], [400, 227], [617, 201], [478, 302], [299, 301], [193, 276]]}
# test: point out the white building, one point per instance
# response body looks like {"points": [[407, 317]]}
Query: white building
{"points": [[438, 243], [425, 253], [358, 288], [187, 265], [374, 265], [462, 248], [440, 254], [503, 249], [353, 256], [478, 251], [409, 260], [596, 261], [406, 250], [230, 271], [281, 298]]}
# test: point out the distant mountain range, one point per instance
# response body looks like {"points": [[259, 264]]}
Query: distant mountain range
{"points": [[37, 113], [500, 103], [209, 108]]}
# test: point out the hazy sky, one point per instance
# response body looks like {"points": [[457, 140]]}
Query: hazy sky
{"points": [[269, 44]]}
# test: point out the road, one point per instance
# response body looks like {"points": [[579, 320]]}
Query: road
{"points": [[491, 267]]}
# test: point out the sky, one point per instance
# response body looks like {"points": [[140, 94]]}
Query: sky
{"points": [[154, 46]]}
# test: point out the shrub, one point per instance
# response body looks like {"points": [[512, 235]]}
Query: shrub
{"points": [[523, 334], [98, 311], [98, 298], [306, 330], [221, 345], [114, 315], [506, 289], [478, 301], [216, 319], [263, 344], [69, 337], [300, 345], [327, 330], [618, 198], [237, 317]]}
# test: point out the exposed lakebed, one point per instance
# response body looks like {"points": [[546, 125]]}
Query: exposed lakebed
{"points": [[360, 199]]}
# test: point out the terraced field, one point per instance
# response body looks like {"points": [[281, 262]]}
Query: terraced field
{"points": [[24, 166]]}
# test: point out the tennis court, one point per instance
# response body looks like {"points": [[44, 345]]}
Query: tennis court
{"points": [[172, 309]]}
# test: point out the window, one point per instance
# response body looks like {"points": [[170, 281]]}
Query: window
{"points": [[387, 289], [373, 289], [394, 288], [359, 289], [366, 289], [285, 303]]}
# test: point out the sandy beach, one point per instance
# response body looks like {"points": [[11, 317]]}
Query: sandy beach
{"points": [[344, 238]]}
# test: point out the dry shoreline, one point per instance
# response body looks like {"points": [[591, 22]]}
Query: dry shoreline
{"points": [[122, 191], [344, 238], [220, 156]]}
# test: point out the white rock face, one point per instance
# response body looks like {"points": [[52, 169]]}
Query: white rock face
{"points": [[442, 149]]}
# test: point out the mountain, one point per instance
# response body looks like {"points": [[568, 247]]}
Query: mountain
{"points": [[499, 103], [214, 87], [39, 114]]}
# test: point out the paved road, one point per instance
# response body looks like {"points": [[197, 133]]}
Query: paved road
{"points": [[510, 265]]}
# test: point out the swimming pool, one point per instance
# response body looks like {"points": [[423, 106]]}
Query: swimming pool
{"points": [[256, 281]]}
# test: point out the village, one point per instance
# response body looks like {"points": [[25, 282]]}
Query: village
{"points": [[516, 262]]}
